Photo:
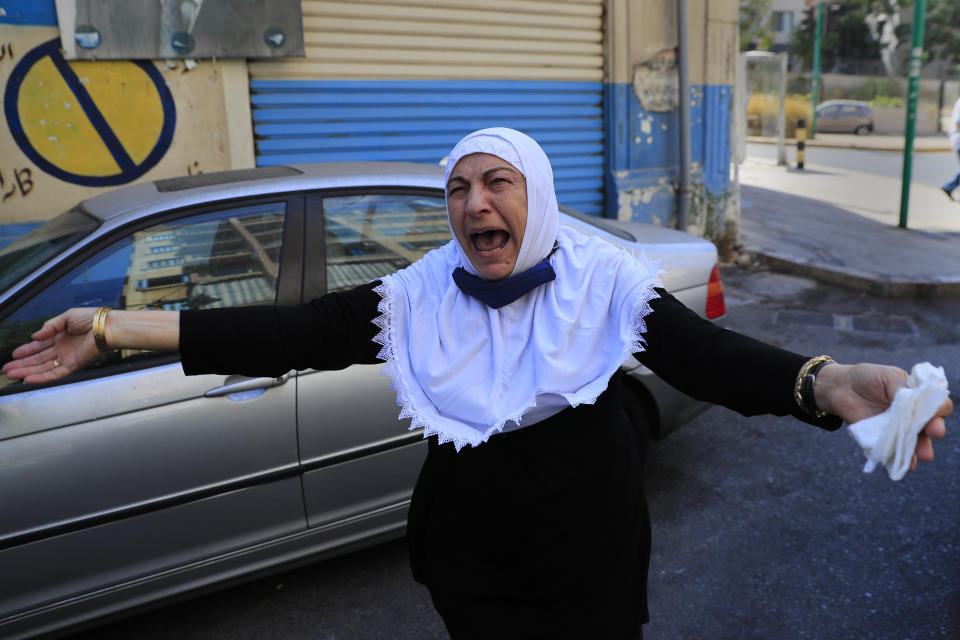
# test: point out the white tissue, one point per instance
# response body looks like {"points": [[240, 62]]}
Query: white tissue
{"points": [[891, 437]]}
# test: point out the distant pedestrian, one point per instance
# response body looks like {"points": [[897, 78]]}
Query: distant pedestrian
{"points": [[951, 186]]}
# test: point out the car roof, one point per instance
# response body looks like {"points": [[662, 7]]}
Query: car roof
{"points": [[148, 197]]}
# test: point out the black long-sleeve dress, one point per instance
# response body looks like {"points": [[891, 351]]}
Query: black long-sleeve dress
{"points": [[540, 532]]}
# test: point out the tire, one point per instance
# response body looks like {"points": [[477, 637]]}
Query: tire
{"points": [[862, 130]]}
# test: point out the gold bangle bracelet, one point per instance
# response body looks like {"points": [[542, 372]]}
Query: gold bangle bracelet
{"points": [[100, 329], [798, 394]]}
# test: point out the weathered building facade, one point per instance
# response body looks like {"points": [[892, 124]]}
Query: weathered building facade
{"points": [[594, 81]]}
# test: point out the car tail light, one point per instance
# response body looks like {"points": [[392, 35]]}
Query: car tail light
{"points": [[715, 304]]}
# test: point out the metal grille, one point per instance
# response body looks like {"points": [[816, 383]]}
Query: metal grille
{"points": [[445, 39], [405, 80]]}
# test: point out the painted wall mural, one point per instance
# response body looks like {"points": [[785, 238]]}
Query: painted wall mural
{"points": [[89, 123], [73, 128]]}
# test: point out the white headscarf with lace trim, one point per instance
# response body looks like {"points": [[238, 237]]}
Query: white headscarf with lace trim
{"points": [[465, 371]]}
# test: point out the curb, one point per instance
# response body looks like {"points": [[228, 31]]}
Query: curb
{"points": [[866, 145], [945, 288]]}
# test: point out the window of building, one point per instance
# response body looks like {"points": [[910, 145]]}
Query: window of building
{"points": [[782, 20]]}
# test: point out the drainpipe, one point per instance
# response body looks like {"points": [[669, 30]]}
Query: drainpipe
{"points": [[683, 50]]}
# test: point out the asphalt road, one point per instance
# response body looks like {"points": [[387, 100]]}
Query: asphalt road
{"points": [[764, 528], [930, 168]]}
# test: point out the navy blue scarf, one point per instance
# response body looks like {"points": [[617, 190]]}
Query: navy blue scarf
{"points": [[498, 293]]}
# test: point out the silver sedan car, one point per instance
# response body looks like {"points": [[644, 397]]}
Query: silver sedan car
{"points": [[844, 116], [130, 484]]}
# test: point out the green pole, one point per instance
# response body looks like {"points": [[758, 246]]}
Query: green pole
{"points": [[913, 89], [817, 29]]}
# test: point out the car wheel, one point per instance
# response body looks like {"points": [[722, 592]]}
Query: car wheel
{"points": [[862, 130]]}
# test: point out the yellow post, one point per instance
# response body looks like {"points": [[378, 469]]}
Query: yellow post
{"points": [[801, 141]]}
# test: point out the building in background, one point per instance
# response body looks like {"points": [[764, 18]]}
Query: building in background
{"points": [[784, 16], [594, 81]]}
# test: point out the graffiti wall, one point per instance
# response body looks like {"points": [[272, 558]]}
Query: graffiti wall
{"points": [[71, 129]]}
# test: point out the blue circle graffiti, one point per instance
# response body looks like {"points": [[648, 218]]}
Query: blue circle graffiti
{"points": [[129, 169]]}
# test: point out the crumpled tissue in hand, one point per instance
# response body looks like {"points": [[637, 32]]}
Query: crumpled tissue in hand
{"points": [[891, 437]]}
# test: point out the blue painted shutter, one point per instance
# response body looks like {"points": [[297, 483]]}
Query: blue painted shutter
{"points": [[410, 84]]}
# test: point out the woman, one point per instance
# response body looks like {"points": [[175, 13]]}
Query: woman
{"points": [[528, 519]]}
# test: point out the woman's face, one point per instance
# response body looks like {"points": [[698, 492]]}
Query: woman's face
{"points": [[487, 204]]}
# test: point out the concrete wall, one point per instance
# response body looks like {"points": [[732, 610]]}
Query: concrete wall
{"points": [[891, 120], [642, 123], [72, 129]]}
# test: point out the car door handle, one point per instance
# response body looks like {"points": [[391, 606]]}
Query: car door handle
{"points": [[249, 384]]}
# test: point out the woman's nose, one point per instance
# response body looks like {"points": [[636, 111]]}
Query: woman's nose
{"points": [[477, 203]]}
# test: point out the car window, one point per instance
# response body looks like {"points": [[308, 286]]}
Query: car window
{"points": [[371, 235], [21, 257], [224, 259]]}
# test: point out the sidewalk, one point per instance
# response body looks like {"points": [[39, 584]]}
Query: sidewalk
{"points": [[876, 142], [841, 226]]}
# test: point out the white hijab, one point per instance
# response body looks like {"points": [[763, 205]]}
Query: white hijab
{"points": [[529, 159], [465, 371]]}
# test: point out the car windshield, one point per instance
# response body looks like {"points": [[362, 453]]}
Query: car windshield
{"points": [[43, 243]]}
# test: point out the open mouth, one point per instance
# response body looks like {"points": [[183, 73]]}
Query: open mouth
{"points": [[490, 240]]}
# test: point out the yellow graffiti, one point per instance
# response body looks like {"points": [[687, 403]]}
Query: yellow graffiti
{"points": [[128, 99], [59, 130], [56, 125]]}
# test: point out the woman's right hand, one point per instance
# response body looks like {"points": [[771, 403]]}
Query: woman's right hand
{"points": [[63, 345]]}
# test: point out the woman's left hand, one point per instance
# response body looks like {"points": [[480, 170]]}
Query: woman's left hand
{"points": [[855, 392]]}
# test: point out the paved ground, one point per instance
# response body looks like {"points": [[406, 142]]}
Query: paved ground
{"points": [[842, 226]]}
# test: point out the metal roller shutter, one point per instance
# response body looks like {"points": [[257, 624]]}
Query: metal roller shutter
{"points": [[404, 80]]}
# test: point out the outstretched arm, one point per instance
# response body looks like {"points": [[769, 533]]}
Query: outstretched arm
{"points": [[713, 364], [331, 332], [66, 344]]}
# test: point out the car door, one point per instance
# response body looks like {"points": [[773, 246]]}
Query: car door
{"points": [[359, 459], [850, 115], [827, 119], [131, 470]]}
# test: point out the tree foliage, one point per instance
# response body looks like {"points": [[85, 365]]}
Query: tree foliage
{"points": [[942, 31], [846, 41], [755, 29]]}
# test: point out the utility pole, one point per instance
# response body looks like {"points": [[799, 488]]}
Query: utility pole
{"points": [[913, 89], [817, 34], [683, 79]]}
